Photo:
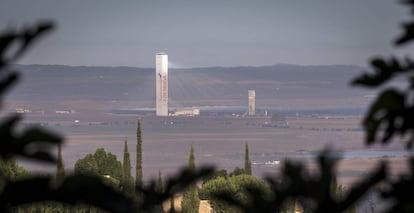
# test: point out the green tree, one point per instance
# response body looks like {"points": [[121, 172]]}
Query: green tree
{"points": [[60, 175], [236, 186], [247, 163], [138, 169], [159, 185], [191, 159], [9, 169], [237, 171], [60, 170], [126, 167], [100, 163], [86, 165], [191, 200], [108, 164], [216, 174], [103, 164], [159, 188]]}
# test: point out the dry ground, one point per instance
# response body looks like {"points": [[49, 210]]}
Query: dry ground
{"points": [[217, 140]]}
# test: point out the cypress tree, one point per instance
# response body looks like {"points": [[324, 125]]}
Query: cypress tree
{"points": [[126, 167], [338, 193], [138, 170], [191, 201], [159, 186], [60, 173], [247, 163], [191, 159], [172, 204]]}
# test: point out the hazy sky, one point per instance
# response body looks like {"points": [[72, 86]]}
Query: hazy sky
{"points": [[209, 32]]}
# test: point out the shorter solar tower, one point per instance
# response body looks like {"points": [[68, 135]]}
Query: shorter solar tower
{"points": [[252, 102]]}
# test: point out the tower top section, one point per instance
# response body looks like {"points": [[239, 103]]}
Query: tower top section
{"points": [[161, 53]]}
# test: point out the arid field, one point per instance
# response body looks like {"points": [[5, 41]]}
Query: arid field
{"points": [[220, 141]]}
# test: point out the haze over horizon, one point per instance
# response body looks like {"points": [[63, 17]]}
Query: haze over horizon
{"points": [[209, 33], [174, 66]]}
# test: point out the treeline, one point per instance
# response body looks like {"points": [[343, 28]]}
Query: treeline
{"points": [[100, 163], [118, 175]]}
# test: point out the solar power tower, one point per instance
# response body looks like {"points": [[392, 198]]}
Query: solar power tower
{"points": [[161, 84], [252, 102]]}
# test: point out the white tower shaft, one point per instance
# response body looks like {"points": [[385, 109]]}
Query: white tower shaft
{"points": [[252, 102], [161, 84]]}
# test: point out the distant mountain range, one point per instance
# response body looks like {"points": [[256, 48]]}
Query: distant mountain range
{"points": [[281, 85]]}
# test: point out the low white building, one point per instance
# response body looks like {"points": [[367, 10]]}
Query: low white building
{"points": [[186, 112], [22, 111]]}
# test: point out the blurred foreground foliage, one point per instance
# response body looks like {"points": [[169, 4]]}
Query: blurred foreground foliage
{"points": [[36, 144], [390, 115], [392, 112]]}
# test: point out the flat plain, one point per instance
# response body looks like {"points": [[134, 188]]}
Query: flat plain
{"points": [[220, 141], [56, 96]]}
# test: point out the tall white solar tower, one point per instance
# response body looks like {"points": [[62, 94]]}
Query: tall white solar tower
{"points": [[161, 84]]}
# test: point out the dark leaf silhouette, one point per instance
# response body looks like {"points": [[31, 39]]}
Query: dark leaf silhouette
{"points": [[36, 143], [408, 34], [75, 189], [7, 82], [33, 143], [359, 189], [400, 193], [388, 111], [152, 197], [408, 27], [390, 114], [23, 39], [384, 71]]}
